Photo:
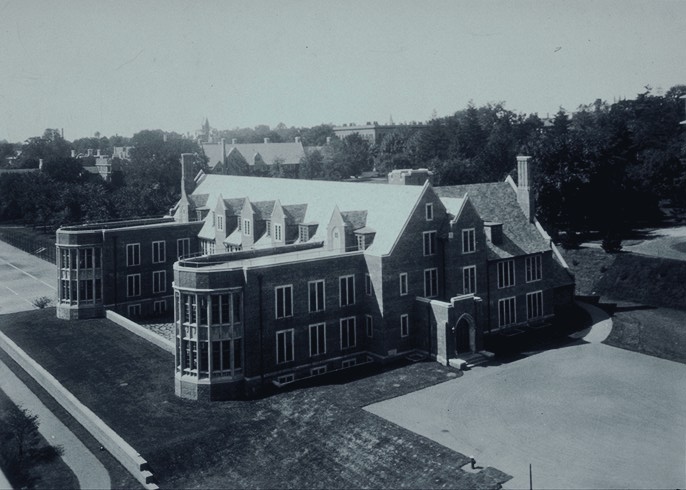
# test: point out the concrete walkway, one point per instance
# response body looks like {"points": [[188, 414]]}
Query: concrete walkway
{"points": [[601, 324], [88, 470]]}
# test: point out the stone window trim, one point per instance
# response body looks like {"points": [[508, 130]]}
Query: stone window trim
{"points": [[133, 254], [183, 247], [469, 279], [468, 240], [246, 227], [534, 305], [429, 211], [348, 334], [404, 325], [506, 273], [403, 283], [316, 295], [430, 282], [278, 232], [533, 265], [285, 346], [369, 325], [429, 242], [159, 281], [317, 332], [283, 301], [346, 293], [368, 287], [507, 312], [133, 285], [159, 252]]}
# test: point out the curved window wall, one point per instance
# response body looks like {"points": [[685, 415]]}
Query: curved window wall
{"points": [[209, 334], [80, 271]]}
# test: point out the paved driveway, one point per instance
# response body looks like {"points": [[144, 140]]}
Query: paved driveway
{"points": [[584, 416], [24, 277]]}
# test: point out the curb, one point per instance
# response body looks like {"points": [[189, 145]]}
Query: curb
{"points": [[110, 440], [144, 333]]}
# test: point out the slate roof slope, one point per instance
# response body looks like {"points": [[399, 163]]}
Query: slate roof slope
{"points": [[290, 152], [497, 202], [388, 206]]}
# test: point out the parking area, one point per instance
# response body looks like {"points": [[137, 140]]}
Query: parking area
{"points": [[23, 278], [584, 416]]}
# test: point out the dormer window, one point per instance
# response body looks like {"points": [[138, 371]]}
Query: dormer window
{"points": [[277, 232], [220, 223], [304, 233], [246, 227], [361, 242], [429, 211], [240, 225], [269, 227]]}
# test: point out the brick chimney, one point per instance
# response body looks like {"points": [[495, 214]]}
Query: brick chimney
{"points": [[525, 196], [266, 140], [234, 141]]}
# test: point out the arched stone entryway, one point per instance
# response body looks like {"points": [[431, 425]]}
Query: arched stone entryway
{"points": [[465, 335]]}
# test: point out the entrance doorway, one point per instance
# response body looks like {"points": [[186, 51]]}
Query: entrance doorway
{"points": [[465, 335]]}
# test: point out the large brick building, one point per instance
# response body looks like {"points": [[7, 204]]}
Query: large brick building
{"points": [[297, 278]]}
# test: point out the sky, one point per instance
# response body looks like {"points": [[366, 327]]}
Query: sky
{"points": [[117, 67]]}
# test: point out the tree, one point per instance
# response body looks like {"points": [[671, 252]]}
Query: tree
{"points": [[312, 165]]}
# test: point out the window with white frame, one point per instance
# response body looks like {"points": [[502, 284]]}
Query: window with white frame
{"points": [[285, 379], [318, 339], [277, 232], [159, 281], [403, 283], [429, 211], [429, 242], [133, 285], [507, 314], [317, 371], [284, 346], [534, 305], [159, 307], [404, 325], [133, 254], [246, 227], [220, 223], [506, 273], [283, 296], [268, 226], [430, 282], [346, 290], [134, 310], [239, 224], [468, 241], [360, 242], [368, 289], [347, 332], [303, 233], [159, 252], [533, 266], [348, 363], [317, 297], [183, 247], [469, 279], [369, 325]]}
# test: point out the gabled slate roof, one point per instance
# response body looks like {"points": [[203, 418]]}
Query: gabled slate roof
{"points": [[497, 202], [308, 201], [356, 219], [290, 153], [263, 209]]}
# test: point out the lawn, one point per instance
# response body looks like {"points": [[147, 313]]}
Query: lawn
{"points": [[314, 437]]}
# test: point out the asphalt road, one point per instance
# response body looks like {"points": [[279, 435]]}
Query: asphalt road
{"points": [[584, 416], [23, 278]]}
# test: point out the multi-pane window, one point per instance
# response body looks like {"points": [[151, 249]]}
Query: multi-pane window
{"points": [[224, 353], [268, 226], [317, 297], [159, 282], [369, 325], [534, 305], [429, 210], [360, 242], [303, 233], [183, 247], [277, 232], [430, 282], [506, 277], [226, 308], [284, 301], [429, 242], [134, 310], [133, 285], [246, 227], [220, 223], [404, 325], [284, 346], [468, 241], [159, 307], [469, 279], [317, 339], [368, 289], [347, 333], [403, 283], [533, 268], [159, 252], [347, 290], [506, 312], [133, 254]]}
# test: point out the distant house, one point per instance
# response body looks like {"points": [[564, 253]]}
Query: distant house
{"points": [[275, 280], [372, 132], [263, 154]]}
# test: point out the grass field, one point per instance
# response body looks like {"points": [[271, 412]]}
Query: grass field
{"points": [[318, 437]]}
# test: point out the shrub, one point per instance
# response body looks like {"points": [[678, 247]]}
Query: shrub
{"points": [[41, 302], [570, 240], [611, 244]]}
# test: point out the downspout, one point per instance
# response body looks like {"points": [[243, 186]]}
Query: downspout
{"points": [[259, 321]]}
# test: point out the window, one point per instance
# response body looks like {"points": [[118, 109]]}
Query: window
{"points": [[468, 241], [429, 242], [404, 325], [159, 282], [347, 290], [134, 310], [506, 312], [318, 371], [369, 325], [159, 307], [220, 223], [368, 289], [239, 224], [277, 232], [284, 301], [403, 283], [348, 363], [506, 277], [469, 279], [159, 252], [285, 379], [223, 353], [360, 242], [429, 211], [534, 305], [183, 247], [226, 308], [430, 282], [347, 333], [246, 227], [533, 268], [284, 346], [268, 225], [317, 339], [304, 233], [133, 285], [317, 299], [133, 254]]}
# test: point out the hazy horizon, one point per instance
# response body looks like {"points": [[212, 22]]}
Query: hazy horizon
{"points": [[120, 67]]}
